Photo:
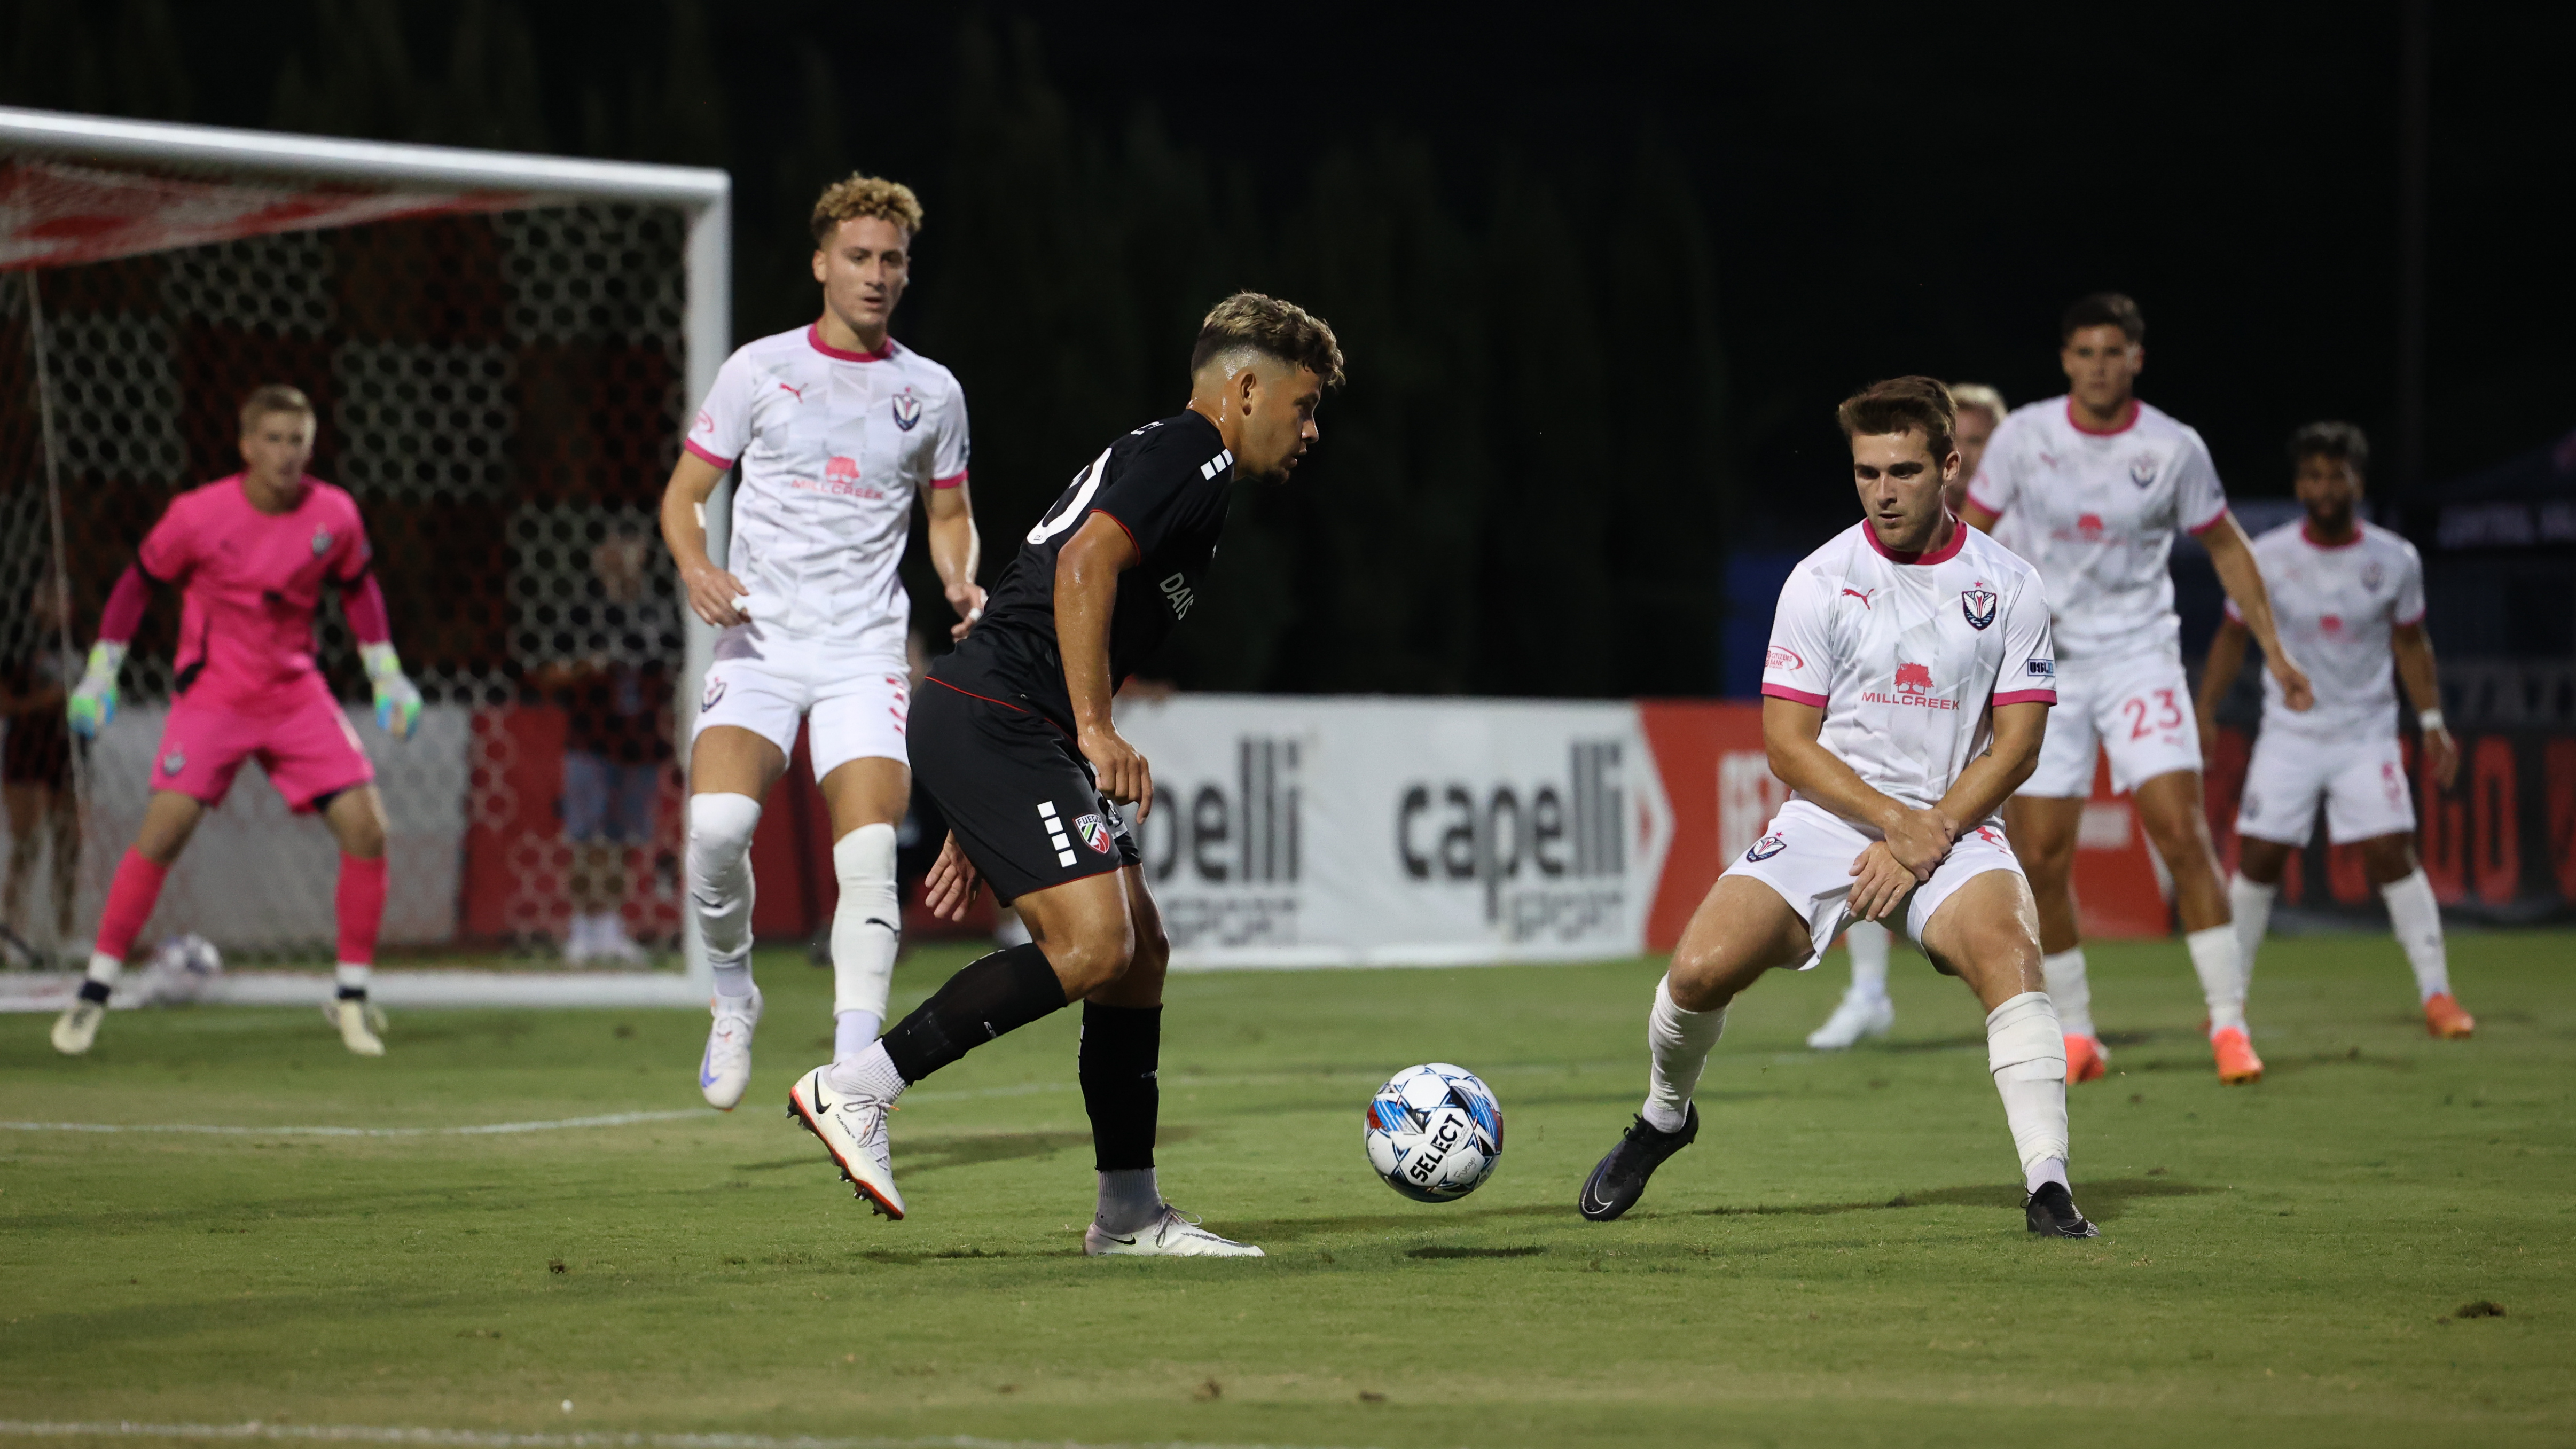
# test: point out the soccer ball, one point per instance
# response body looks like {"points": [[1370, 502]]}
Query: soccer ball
{"points": [[1435, 1132], [184, 967]]}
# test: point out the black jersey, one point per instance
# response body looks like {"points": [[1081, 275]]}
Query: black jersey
{"points": [[1165, 483]]}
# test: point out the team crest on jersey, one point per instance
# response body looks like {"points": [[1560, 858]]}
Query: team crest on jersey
{"points": [[2142, 469], [173, 762], [321, 542], [1094, 830], [715, 691], [1767, 847], [907, 410], [1979, 605], [2372, 576]]}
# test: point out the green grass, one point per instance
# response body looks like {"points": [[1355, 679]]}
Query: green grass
{"points": [[1839, 1260]]}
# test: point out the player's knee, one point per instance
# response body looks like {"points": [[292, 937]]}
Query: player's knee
{"points": [[720, 827], [2388, 859], [1698, 979], [363, 837], [1092, 958]]}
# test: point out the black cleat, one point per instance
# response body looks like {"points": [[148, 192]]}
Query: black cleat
{"points": [[1620, 1180], [2053, 1214]]}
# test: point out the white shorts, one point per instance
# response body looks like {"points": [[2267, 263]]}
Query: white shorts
{"points": [[2139, 708], [1806, 855], [2363, 782], [855, 703]]}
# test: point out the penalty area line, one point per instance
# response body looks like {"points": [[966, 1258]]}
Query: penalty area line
{"points": [[488, 1129], [482, 1439]]}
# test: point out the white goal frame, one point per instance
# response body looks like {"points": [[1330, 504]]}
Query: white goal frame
{"points": [[705, 196]]}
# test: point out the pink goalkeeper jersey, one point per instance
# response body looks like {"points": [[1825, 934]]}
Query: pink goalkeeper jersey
{"points": [[250, 582]]}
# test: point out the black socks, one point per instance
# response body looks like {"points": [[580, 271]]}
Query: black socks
{"points": [[1122, 1047], [1000, 993]]}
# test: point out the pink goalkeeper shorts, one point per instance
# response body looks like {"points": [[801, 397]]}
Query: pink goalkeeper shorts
{"points": [[299, 735]]}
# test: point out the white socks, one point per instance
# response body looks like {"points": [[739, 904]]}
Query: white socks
{"points": [[720, 888], [104, 969], [867, 926], [2026, 1051], [870, 1074], [2069, 992], [1680, 1042], [1129, 1201], [2417, 919], [352, 976], [2251, 905], [2222, 976], [1868, 942]]}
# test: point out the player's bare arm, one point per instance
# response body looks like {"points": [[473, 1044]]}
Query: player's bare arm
{"points": [[2233, 557], [1086, 594], [2415, 670], [956, 554], [711, 590], [1914, 840]]}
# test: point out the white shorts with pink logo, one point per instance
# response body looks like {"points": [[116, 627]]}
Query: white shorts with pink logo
{"points": [[2137, 709], [855, 703], [1806, 855], [2363, 784]]}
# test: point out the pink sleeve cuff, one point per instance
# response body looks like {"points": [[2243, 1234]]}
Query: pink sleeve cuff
{"points": [[692, 445], [1994, 508], [124, 612], [1794, 696], [953, 480], [2409, 622], [2206, 524], [2028, 696]]}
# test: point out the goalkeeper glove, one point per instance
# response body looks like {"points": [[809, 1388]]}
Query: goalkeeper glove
{"points": [[397, 699], [93, 701]]}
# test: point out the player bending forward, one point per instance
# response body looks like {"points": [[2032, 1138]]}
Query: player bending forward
{"points": [[1904, 696], [2090, 487], [250, 554], [838, 428], [1017, 749], [1865, 1010], [2350, 599]]}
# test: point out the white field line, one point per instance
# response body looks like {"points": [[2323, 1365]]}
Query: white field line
{"points": [[489, 1129], [479, 1439]]}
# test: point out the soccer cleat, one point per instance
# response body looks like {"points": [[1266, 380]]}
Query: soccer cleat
{"points": [[1620, 1180], [2237, 1064], [853, 1130], [2444, 1018], [359, 1022], [2051, 1213], [77, 1027], [1173, 1235], [1858, 1017], [724, 1071], [2085, 1059]]}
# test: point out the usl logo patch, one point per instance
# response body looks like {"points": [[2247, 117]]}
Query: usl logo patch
{"points": [[907, 410], [2041, 669], [1094, 830], [1979, 605], [1767, 847]]}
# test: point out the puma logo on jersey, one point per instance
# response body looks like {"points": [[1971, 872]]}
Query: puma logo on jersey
{"points": [[1176, 589], [1863, 597], [796, 392]]}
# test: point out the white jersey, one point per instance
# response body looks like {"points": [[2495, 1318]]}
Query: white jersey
{"points": [[834, 447], [2096, 512], [1905, 654], [2335, 606]]}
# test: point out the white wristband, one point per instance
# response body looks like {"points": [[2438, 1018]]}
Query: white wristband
{"points": [[2430, 720]]}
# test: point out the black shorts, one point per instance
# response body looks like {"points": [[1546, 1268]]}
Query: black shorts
{"points": [[1016, 793]]}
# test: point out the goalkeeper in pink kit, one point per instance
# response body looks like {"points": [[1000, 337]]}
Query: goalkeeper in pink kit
{"points": [[251, 555]]}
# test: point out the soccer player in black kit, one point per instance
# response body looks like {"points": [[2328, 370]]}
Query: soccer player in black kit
{"points": [[1012, 737]]}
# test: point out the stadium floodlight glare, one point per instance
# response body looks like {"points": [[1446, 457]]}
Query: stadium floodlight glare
{"points": [[575, 274]]}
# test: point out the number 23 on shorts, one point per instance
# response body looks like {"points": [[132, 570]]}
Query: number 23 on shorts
{"points": [[2140, 711]]}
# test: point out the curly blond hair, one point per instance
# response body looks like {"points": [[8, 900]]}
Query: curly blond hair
{"points": [[857, 195]]}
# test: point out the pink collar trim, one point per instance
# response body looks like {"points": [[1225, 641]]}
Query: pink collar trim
{"points": [[814, 335], [2308, 531], [1948, 550], [2134, 410]]}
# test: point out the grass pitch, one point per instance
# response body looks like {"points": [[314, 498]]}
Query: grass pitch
{"points": [[1839, 1260]]}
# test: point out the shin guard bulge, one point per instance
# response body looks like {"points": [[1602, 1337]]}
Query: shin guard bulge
{"points": [[1122, 1050], [1868, 942], [2416, 918], [867, 927], [2251, 905], [987, 998], [2026, 1052], [720, 887], [360, 904], [2069, 990], [1679, 1043], [2214, 957]]}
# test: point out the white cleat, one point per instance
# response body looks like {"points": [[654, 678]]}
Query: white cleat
{"points": [[359, 1022], [853, 1130], [77, 1027], [725, 1071], [1859, 1016], [1173, 1235]]}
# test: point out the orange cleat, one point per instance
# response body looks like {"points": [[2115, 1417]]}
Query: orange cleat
{"points": [[2444, 1018], [2085, 1059], [2237, 1064]]}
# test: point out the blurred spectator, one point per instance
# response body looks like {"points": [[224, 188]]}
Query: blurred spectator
{"points": [[616, 697], [36, 777]]}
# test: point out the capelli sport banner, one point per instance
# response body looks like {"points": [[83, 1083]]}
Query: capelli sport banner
{"points": [[1321, 831]]}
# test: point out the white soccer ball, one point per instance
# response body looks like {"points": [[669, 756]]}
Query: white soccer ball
{"points": [[1435, 1132], [184, 967]]}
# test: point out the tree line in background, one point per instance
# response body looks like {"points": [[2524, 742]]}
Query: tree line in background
{"points": [[1523, 490]]}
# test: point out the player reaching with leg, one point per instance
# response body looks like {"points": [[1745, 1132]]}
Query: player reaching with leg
{"points": [[1907, 686], [250, 555], [1017, 748], [2091, 488], [2349, 598], [838, 428], [1865, 1010]]}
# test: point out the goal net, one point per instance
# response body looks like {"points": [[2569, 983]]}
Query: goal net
{"points": [[501, 351]]}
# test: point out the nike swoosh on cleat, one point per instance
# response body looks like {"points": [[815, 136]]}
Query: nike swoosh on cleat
{"points": [[705, 1078], [1124, 1242], [819, 1104]]}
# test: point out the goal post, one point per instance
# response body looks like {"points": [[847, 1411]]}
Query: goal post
{"points": [[502, 350]]}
